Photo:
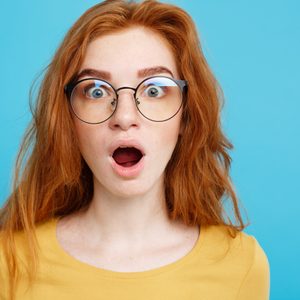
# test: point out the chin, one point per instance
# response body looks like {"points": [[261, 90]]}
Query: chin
{"points": [[130, 188]]}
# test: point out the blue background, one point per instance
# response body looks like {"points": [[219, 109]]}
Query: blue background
{"points": [[253, 48]]}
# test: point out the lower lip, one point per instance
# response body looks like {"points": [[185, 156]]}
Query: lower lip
{"points": [[128, 172]]}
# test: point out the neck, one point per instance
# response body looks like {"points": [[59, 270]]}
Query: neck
{"points": [[126, 220]]}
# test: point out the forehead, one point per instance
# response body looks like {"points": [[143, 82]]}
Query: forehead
{"points": [[127, 51]]}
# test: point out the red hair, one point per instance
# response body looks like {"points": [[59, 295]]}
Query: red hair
{"points": [[51, 177]]}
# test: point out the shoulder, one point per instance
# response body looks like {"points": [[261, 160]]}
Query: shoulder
{"points": [[4, 278], [244, 257], [42, 232], [256, 282], [240, 242]]}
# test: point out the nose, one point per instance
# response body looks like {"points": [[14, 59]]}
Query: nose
{"points": [[126, 114]]}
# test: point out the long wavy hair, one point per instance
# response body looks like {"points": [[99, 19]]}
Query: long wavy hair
{"points": [[51, 178]]}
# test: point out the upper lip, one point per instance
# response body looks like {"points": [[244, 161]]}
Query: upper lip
{"points": [[123, 143]]}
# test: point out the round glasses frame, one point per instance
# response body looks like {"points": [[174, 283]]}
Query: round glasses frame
{"points": [[182, 84]]}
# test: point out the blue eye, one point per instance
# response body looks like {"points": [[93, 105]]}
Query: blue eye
{"points": [[95, 92], [154, 91]]}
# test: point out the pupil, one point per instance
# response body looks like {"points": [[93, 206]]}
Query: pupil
{"points": [[97, 93], [153, 92]]}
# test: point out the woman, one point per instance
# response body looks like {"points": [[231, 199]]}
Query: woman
{"points": [[122, 195]]}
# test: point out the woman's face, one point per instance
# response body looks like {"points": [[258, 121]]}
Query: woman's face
{"points": [[123, 56]]}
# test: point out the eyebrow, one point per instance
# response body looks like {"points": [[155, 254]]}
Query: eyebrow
{"points": [[107, 76]]}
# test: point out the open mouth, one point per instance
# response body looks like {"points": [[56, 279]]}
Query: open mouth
{"points": [[127, 156]]}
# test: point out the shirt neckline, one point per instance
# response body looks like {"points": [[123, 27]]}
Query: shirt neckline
{"points": [[78, 264]]}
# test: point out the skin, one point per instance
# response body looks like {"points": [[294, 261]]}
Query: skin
{"points": [[127, 215]]}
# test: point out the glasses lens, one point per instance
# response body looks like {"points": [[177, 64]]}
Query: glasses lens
{"points": [[93, 101], [159, 98]]}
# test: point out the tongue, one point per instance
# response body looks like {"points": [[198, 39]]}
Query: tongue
{"points": [[127, 157]]}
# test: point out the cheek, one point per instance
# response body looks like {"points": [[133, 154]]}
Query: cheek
{"points": [[173, 128], [89, 136], [166, 137]]}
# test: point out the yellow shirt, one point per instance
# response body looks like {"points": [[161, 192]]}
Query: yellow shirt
{"points": [[217, 268]]}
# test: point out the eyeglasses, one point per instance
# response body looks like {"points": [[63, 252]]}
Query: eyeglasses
{"points": [[157, 98]]}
